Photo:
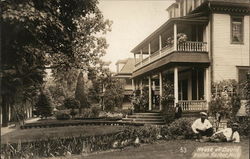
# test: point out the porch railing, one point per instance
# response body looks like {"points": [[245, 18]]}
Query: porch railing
{"points": [[188, 46], [193, 105], [192, 46]]}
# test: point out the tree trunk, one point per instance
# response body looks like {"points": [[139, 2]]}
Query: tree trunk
{"points": [[5, 111]]}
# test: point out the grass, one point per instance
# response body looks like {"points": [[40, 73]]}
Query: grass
{"points": [[27, 135], [176, 149]]}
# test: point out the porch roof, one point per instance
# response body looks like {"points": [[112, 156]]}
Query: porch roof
{"points": [[173, 59], [197, 18]]}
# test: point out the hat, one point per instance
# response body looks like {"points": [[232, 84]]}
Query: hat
{"points": [[235, 124], [203, 113]]}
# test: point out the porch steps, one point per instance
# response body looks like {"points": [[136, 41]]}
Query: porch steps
{"points": [[153, 118]]}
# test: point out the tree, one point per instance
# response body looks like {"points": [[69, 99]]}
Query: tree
{"points": [[43, 34], [80, 94], [113, 94], [72, 103], [43, 105]]}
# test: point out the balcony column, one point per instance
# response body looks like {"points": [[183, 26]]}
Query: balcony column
{"points": [[160, 83], [176, 85], [141, 56], [149, 93], [175, 37], [160, 44], [185, 7], [135, 57], [149, 52]]}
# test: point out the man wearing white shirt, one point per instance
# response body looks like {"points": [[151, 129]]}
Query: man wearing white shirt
{"points": [[227, 135], [202, 127]]}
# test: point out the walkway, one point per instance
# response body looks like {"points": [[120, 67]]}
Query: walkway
{"points": [[12, 127]]}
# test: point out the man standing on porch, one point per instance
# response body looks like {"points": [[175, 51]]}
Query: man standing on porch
{"points": [[202, 127]]}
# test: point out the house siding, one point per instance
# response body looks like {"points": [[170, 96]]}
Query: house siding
{"points": [[227, 56]]}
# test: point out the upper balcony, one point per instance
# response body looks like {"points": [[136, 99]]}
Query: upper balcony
{"points": [[179, 40]]}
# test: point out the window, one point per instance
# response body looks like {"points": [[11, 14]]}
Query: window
{"points": [[237, 29], [242, 73]]}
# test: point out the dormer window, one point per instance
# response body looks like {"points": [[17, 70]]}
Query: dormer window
{"points": [[236, 29]]}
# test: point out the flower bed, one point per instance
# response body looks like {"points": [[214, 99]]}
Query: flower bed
{"points": [[75, 123], [83, 144], [130, 135]]}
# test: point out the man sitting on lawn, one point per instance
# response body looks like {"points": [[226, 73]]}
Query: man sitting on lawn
{"points": [[203, 128], [227, 135]]}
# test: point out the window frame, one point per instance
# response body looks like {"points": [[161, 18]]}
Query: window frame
{"points": [[231, 29]]}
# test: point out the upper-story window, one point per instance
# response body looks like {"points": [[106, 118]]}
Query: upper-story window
{"points": [[237, 29]]}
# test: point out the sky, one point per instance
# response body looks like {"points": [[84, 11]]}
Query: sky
{"points": [[133, 21]]}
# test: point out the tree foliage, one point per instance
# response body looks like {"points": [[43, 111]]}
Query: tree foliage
{"points": [[80, 93], [113, 94], [41, 34], [43, 105], [71, 103]]}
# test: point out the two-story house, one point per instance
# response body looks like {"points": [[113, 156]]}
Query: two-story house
{"points": [[204, 41], [124, 69]]}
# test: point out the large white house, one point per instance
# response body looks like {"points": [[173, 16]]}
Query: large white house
{"points": [[204, 41]]}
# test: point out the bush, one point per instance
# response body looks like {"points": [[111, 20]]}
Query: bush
{"points": [[43, 105], [62, 116], [180, 128], [71, 103], [95, 111]]}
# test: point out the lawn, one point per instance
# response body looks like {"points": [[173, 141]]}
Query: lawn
{"points": [[176, 149], [26, 135]]}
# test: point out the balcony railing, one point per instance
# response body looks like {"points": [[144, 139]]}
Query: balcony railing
{"points": [[192, 46], [193, 105], [188, 46]]}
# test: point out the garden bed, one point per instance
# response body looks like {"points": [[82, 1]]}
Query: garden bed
{"points": [[62, 123]]}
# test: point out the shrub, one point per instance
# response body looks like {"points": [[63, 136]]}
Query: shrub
{"points": [[95, 111], [43, 105], [180, 128], [62, 116], [71, 103]]}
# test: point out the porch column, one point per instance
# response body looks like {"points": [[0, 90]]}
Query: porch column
{"points": [[149, 93], [160, 44], [160, 83], [133, 85], [149, 52], [207, 85], [175, 36], [141, 86], [176, 85]]}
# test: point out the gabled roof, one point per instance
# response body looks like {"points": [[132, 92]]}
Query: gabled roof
{"points": [[128, 67]]}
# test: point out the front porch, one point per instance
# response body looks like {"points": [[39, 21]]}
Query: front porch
{"points": [[190, 87]]}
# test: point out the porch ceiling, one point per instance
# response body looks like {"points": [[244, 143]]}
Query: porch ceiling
{"points": [[175, 59]]}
